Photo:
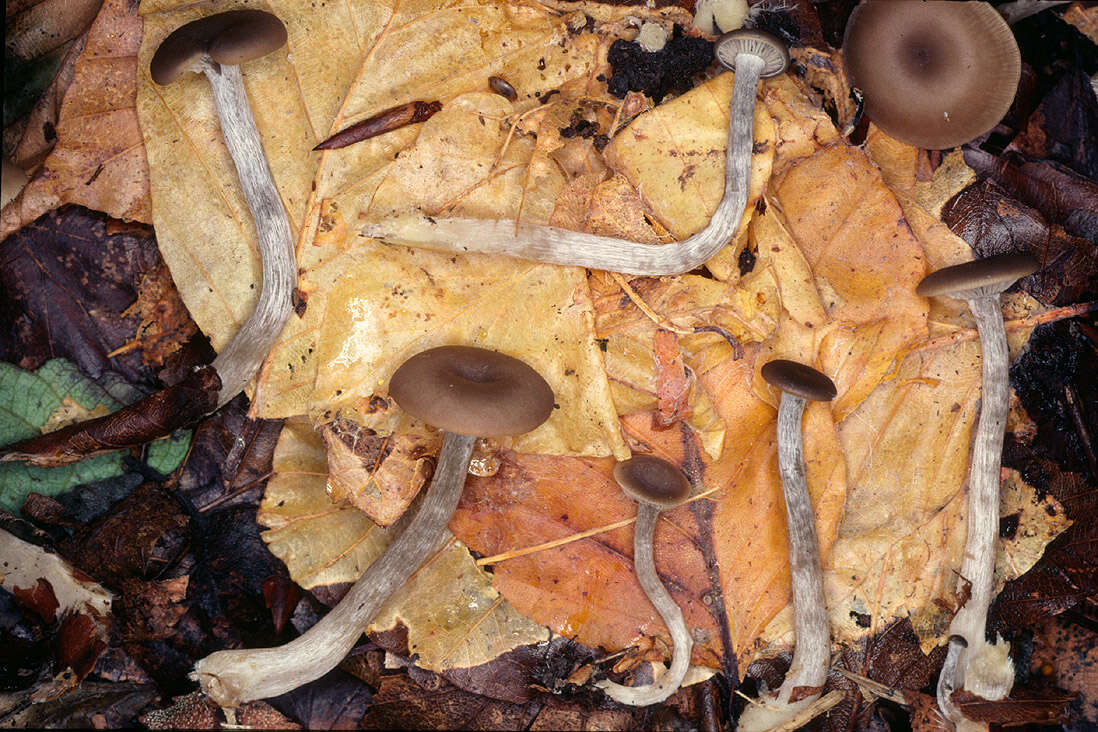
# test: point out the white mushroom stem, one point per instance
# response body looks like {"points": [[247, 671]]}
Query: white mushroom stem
{"points": [[232, 678], [812, 649], [240, 360], [562, 246], [643, 560], [978, 666]]}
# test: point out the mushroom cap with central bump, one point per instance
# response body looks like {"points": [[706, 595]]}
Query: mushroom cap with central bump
{"points": [[935, 74], [766, 46], [472, 391], [993, 273], [230, 38], [653, 480], [800, 380]]}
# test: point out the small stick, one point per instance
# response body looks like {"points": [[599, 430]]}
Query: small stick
{"points": [[391, 119]]}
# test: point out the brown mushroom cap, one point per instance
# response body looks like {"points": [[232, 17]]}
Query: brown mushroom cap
{"points": [[472, 391], [649, 479], [800, 380], [935, 74], [997, 273], [756, 42], [232, 37]]}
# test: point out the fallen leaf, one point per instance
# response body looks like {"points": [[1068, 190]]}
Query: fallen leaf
{"points": [[32, 403], [99, 159], [26, 567]]}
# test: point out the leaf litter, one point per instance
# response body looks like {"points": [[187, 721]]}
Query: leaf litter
{"points": [[851, 327], [833, 284]]}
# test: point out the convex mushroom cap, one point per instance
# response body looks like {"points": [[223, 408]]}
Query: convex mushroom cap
{"points": [[799, 379], [649, 479], [766, 46], [472, 391], [991, 275], [936, 73], [232, 37]]}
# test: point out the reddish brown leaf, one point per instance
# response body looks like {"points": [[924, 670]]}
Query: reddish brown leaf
{"points": [[1046, 708], [39, 599], [81, 640], [282, 596]]}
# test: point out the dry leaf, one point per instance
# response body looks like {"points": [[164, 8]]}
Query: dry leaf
{"points": [[99, 159], [455, 619]]}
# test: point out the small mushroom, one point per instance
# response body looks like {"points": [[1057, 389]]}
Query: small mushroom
{"points": [[216, 45], [935, 74], [753, 54], [980, 667], [812, 652], [654, 484], [466, 392]]}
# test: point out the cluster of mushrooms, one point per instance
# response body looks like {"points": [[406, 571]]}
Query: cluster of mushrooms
{"points": [[471, 392]]}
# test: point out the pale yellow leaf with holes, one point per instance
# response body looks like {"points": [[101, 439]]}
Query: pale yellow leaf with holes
{"points": [[454, 617]]}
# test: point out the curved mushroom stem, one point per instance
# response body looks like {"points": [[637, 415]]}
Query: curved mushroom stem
{"points": [[669, 683], [238, 362], [561, 246], [812, 651], [231, 678], [975, 663]]}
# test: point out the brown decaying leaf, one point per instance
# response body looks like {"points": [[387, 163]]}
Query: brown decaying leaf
{"points": [[32, 29], [99, 160], [150, 418], [31, 138]]}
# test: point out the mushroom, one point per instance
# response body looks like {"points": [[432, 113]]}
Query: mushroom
{"points": [[654, 484], [753, 54], [981, 667], [468, 393], [216, 45], [935, 74], [812, 652]]}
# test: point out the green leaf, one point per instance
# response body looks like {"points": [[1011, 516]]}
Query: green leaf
{"points": [[29, 398]]}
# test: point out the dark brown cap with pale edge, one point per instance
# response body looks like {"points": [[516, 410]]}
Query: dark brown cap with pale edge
{"points": [[472, 391], [935, 73], [649, 479], [232, 37], [759, 43], [800, 380], [997, 273]]}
